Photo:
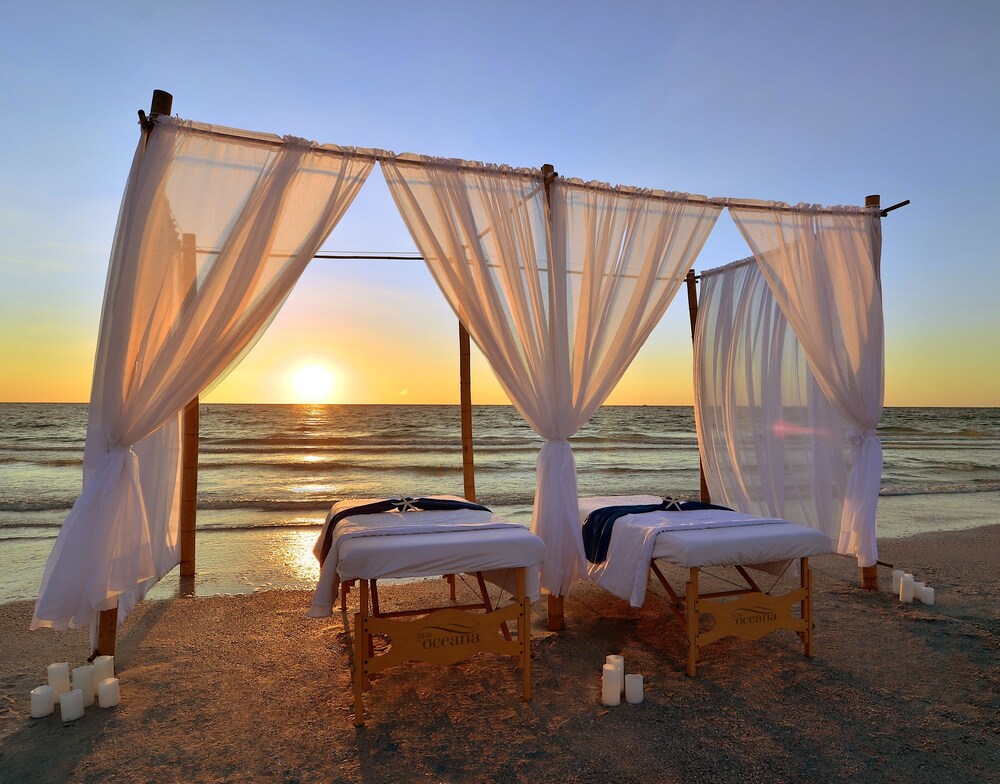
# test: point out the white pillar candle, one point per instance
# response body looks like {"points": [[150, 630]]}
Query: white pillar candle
{"points": [[108, 693], [83, 679], [41, 702], [633, 688], [104, 668], [897, 576], [619, 664], [927, 595], [906, 588], [58, 679], [71, 705], [611, 685]]}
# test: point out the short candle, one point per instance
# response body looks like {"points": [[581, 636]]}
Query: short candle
{"points": [[927, 595], [41, 702], [633, 688], [71, 705], [83, 679], [104, 668], [108, 693], [58, 674]]}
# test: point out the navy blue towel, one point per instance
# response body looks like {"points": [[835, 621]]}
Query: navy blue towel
{"points": [[394, 504], [601, 522]]}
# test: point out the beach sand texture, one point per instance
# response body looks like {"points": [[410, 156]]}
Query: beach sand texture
{"points": [[246, 689]]}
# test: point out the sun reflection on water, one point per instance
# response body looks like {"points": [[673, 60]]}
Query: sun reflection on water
{"points": [[298, 555]]}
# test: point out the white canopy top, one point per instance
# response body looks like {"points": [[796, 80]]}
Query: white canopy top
{"points": [[558, 281]]}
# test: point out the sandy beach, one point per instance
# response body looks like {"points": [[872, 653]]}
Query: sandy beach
{"points": [[246, 689]]}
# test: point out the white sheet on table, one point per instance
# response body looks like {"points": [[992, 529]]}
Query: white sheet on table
{"points": [[625, 572], [388, 524]]}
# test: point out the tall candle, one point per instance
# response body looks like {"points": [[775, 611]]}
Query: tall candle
{"points": [[619, 664], [633, 688], [906, 588], [897, 576], [83, 679], [611, 685], [108, 694], [71, 705], [41, 702], [58, 674], [104, 668]]}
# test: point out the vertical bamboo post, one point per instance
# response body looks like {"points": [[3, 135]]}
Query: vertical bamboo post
{"points": [[107, 622], [189, 486], [556, 619], [692, 291], [869, 574], [465, 393]]}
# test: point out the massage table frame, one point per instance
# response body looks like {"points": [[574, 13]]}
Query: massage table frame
{"points": [[440, 635], [751, 616]]}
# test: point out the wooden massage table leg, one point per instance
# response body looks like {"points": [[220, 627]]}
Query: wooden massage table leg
{"points": [[361, 655], [523, 633], [488, 605], [806, 605], [692, 621], [451, 586]]}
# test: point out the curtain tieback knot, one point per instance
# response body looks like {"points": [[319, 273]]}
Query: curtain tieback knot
{"points": [[855, 435], [119, 448]]}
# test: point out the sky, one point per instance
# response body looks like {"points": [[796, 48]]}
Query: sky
{"points": [[798, 102]]}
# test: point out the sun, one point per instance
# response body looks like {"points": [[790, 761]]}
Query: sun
{"points": [[313, 384]]}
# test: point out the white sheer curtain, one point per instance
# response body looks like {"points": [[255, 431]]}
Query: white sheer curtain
{"points": [[559, 307], [822, 267], [174, 320], [771, 443]]}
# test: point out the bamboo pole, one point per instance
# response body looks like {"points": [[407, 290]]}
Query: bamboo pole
{"points": [[465, 391], [107, 622], [869, 574], [189, 486], [556, 606], [189, 440], [692, 291]]}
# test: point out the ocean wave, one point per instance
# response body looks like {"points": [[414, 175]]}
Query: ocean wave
{"points": [[26, 538], [312, 466], [49, 463], [43, 505], [941, 488]]}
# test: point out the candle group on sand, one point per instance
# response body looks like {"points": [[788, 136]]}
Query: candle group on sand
{"points": [[909, 589], [614, 682], [90, 683]]}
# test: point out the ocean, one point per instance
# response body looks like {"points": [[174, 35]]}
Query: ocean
{"points": [[268, 473]]}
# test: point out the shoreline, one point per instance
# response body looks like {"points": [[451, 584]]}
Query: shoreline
{"points": [[244, 687], [243, 561]]}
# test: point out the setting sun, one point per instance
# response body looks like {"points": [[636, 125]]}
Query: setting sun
{"points": [[313, 384]]}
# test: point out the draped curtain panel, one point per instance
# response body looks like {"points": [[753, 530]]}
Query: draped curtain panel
{"points": [[822, 266], [771, 443], [558, 303], [213, 233]]}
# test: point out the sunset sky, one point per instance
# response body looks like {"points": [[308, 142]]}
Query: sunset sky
{"points": [[800, 102]]}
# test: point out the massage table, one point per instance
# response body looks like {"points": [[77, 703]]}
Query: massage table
{"points": [[695, 540], [410, 542]]}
